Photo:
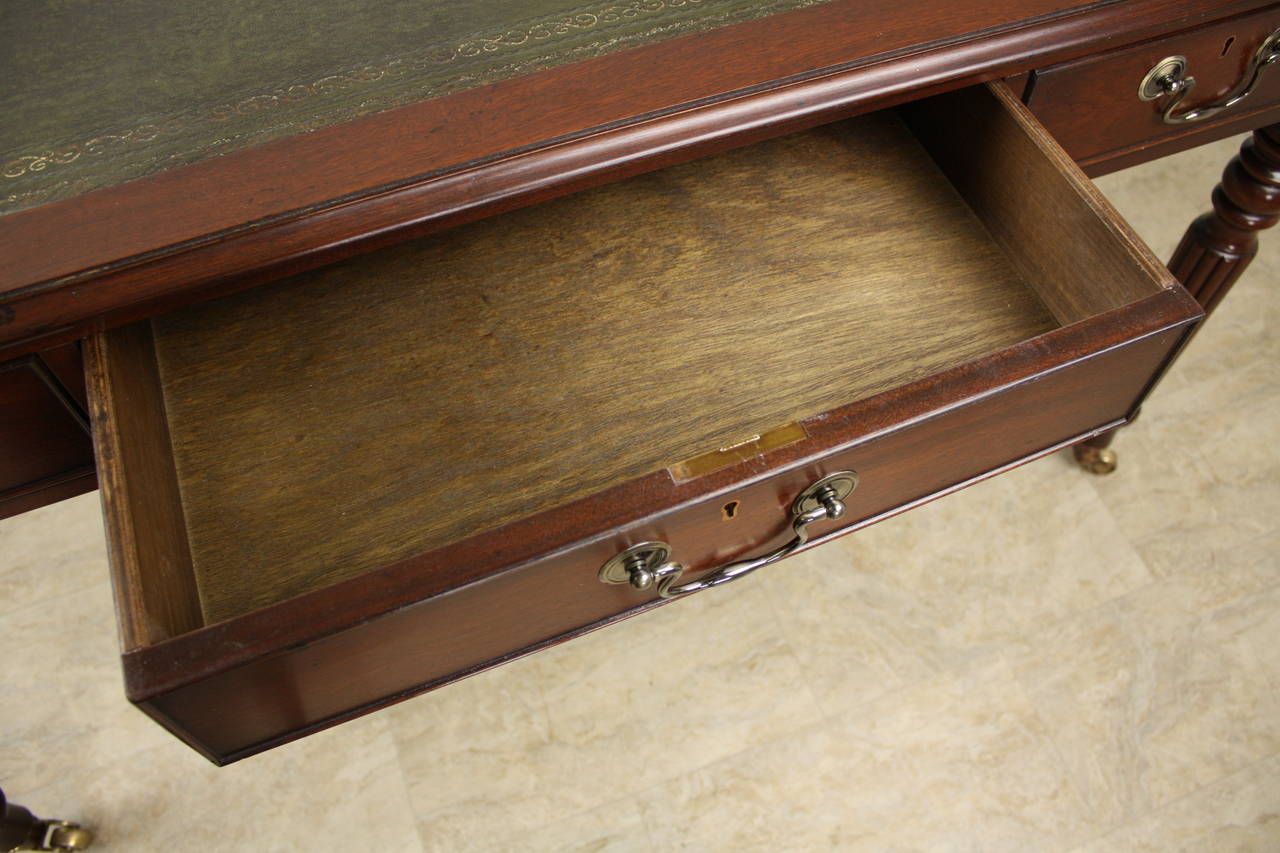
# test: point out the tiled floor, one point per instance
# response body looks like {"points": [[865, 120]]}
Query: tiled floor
{"points": [[1045, 662]]}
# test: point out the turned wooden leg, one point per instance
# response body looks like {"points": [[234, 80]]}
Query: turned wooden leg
{"points": [[21, 830], [1218, 246]]}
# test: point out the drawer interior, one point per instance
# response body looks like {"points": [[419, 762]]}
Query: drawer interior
{"points": [[286, 438]]}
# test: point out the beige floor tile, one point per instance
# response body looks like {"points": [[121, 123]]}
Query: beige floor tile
{"points": [[613, 828], [72, 746], [961, 762], [1233, 358], [50, 552], [1245, 444], [854, 637], [1239, 814], [930, 589], [1262, 555], [1259, 630], [62, 692], [1197, 485], [1161, 692], [599, 719], [474, 757], [340, 790]]}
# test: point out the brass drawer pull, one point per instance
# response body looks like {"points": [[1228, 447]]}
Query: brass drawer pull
{"points": [[1169, 78], [644, 564]]}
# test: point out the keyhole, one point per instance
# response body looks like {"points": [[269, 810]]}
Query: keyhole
{"points": [[730, 510], [1227, 47]]}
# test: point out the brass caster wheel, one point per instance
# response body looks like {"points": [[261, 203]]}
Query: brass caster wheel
{"points": [[68, 836], [1095, 460]]}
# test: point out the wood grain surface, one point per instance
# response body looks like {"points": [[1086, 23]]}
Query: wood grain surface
{"points": [[339, 421], [156, 594], [1059, 231]]}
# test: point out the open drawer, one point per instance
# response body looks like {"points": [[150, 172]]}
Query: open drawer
{"points": [[347, 487]]}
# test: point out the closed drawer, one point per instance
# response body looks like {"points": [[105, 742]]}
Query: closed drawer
{"points": [[46, 453], [1092, 108], [344, 488]]}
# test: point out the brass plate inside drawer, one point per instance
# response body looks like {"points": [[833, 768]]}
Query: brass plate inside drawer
{"points": [[749, 447]]}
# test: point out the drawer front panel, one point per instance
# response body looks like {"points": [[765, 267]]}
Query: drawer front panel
{"points": [[1092, 108], [243, 709]]}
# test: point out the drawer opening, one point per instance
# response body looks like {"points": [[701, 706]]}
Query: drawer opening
{"points": [[278, 441]]}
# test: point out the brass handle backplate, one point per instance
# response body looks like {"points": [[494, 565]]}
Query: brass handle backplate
{"points": [[1168, 78], [650, 563]]}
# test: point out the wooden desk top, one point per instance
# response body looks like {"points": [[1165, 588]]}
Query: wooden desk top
{"points": [[143, 87], [161, 156]]}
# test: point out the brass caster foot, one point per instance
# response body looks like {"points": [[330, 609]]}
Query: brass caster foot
{"points": [[1095, 460], [21, 830], [68, 836]]}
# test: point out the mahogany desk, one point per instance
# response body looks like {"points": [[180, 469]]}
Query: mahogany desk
{"points": [[360, 138]]}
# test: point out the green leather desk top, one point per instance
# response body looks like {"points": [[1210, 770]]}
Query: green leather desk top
{"points": [[94, 94]]}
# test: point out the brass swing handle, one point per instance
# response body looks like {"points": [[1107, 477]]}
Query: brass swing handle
{"points": [[1169, 77], [648, 563]]}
